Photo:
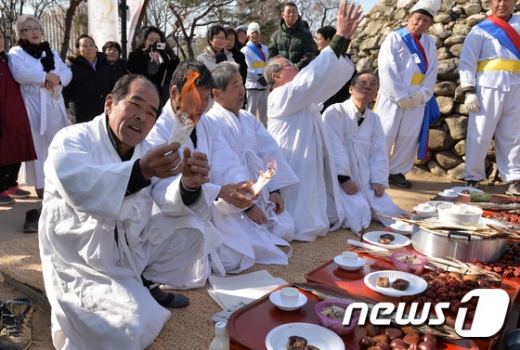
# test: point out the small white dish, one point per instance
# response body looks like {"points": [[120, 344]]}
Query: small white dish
{"points": [[318, 336], [458, 190], [430, 209], [449, 196], [417, 284], [398, 242], [397, 228], [358, 263], [277, 300]]}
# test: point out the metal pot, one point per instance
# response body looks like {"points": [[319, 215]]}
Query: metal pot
{"points": [[459, 245]]}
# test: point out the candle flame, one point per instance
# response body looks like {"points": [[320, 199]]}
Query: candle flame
{"points": [[190, 100], [271, 167]]}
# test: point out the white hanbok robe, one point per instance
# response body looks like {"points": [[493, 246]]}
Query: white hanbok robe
{"points": [[45, 108], [396, 68], [256, 93], [225, 234], [498, 92], [248, 138], [360, 152], [92, 281], [295, 122]]}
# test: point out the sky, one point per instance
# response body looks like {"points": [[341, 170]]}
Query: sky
{"points": [[367, 4]]}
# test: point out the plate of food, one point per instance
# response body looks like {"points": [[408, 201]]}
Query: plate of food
{"points": [[299, 333], [465, 191], [402, 227], [395, 283], [385, 239]]}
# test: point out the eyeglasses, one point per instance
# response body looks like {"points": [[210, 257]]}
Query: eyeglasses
{"points": [[285, 65], [219, 38], [365, 83], [34, 29]]}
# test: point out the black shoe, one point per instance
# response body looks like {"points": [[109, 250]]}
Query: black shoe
{"points": [[513, 188], [473, 184], [399, 180], [171, 300], [16, 333], [30, 224]]}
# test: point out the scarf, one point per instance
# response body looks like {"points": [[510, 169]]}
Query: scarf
{"points": [[219, 56], [36, 52]]}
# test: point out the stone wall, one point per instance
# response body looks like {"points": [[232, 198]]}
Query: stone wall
{"points": [[447, 146]]}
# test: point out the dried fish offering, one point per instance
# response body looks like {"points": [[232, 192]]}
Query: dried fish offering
{"points": [[383, 282], [334, 312], [400, 284]]}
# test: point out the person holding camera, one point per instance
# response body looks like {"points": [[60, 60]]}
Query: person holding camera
{"points": [[154, 59]]}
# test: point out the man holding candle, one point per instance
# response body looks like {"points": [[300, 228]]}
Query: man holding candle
{"points": [[255, 147], [294, 121], [360, 155], [233, 242]]}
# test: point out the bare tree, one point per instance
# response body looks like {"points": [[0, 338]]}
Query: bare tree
{"points": [[267, 13], [69, 16], [192, 14], [318, 13]]}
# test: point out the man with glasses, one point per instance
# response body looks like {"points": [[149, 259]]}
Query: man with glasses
{"points": [[360, 155], [294, 121], [408, 71], [292, 40]]}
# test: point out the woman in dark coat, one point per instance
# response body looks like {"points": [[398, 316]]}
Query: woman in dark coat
{"points": [[92, 80], [16, 142], [154, 59], [113, 51]]}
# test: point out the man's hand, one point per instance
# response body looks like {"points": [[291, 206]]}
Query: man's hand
{"points": [[472, 103], [277, 200], [416, 99], [235, 194], [161, 161], [257, 215], [405, 103], [348, 19], [195, 169], [350, 187], [378, 189]]}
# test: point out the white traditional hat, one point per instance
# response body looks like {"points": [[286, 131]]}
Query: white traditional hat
{"points": [[253, 27], [427, 7]]}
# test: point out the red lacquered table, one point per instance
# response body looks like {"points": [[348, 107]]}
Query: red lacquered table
{"points": [[249, 326], [331, 274]]}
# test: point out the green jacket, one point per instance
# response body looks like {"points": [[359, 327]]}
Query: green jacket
{"points": [[295, 43]]}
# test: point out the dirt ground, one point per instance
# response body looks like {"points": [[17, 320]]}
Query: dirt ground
{"points": [[425, 186]]}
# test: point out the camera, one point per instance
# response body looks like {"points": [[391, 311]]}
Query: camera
{"points": [[161, 46]]}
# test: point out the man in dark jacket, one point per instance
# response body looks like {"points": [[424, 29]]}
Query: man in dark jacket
{"points": [[292, 40]]}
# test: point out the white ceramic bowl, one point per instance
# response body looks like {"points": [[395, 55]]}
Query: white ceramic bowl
{"points": [[358, 263], [274, 297], [453, 215]]}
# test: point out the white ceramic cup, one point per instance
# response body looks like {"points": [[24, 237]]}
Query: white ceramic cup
{"points": [[424, 207], [460, 209], [401, 225], [449, 193], [349, 258], [289, 296]]}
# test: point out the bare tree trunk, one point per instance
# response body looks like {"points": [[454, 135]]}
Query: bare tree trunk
{"points": [[69, 15]]}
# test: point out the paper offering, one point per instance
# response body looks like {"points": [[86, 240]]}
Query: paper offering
{"points": [[263, 179], [181, 129]]}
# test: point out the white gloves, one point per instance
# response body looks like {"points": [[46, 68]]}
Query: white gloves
{"points": [[405, 102], [471, 102], [411, 101], [416, 99]]}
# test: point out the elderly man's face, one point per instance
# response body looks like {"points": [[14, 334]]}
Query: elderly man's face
{"points": [[232, 98], [419, 23], [132, 118], [365, 89], [502, 8], [290, 15], [286, 73]]}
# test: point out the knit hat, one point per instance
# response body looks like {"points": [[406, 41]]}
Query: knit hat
{"points": [[242, 27], [253, 27], [427, 7]]}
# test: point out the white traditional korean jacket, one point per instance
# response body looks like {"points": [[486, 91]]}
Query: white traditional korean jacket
{"points": [[93, 281], [296, 125], [360, 152]]}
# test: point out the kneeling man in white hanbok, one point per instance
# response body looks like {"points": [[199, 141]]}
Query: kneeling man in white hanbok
{"points": [[360, 155], [255, 147], [233, 242], [103, 252]]}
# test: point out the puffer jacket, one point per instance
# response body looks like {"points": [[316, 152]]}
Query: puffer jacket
{"points": [[294, 43], [86, 93]]}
